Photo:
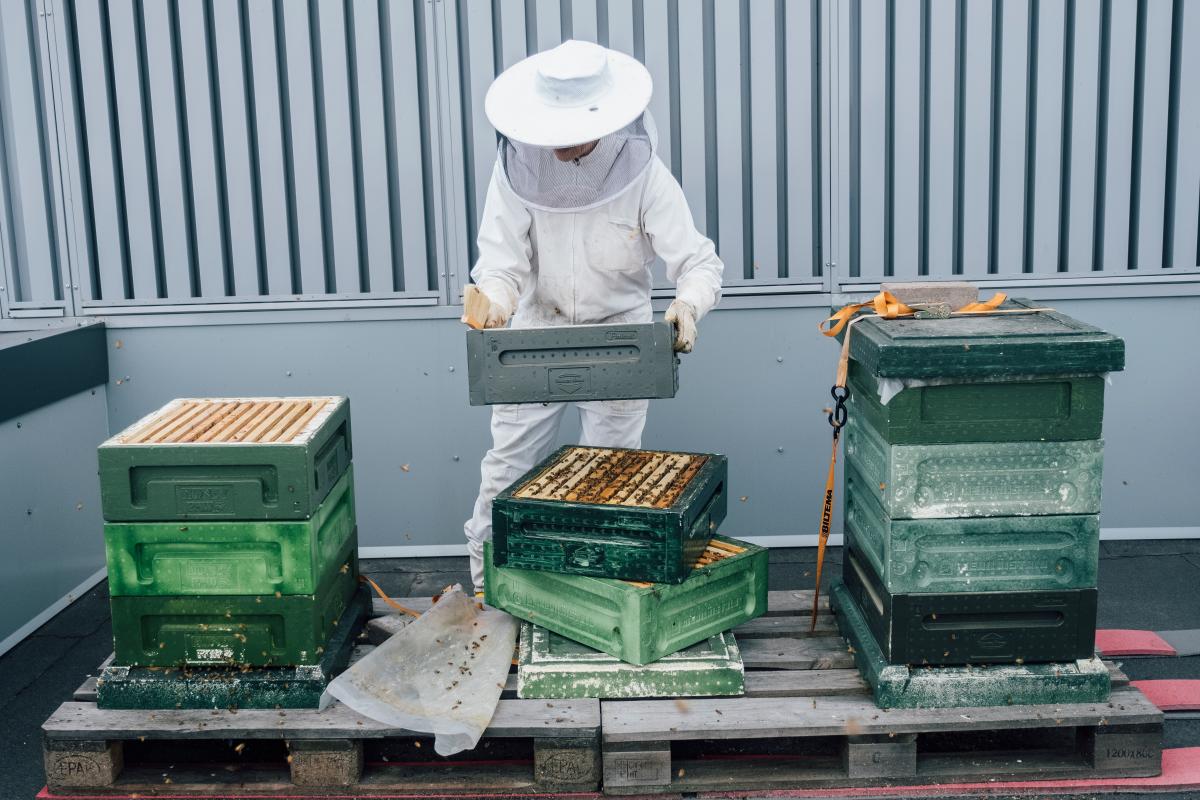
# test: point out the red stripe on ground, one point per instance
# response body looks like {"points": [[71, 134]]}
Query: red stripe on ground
{"points": [[1117, 642], [1180, 773], [1171, 695]]}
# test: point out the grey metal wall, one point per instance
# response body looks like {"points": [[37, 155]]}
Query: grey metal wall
{"points": [[263, 154], [49, 506]]}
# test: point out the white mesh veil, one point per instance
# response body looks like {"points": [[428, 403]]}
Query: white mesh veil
{"points": [[542, 181]]}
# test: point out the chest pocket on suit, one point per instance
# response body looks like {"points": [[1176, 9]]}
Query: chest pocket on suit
{"points": [[617, 244]]}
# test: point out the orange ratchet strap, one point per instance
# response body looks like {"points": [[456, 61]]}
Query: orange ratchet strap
{"points": [[387, 599]]}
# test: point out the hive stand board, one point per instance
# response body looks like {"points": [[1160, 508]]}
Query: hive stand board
{"points": [[215, 558], [554, 667], [636, 622], [973, 627], [982, 479], [254, 630], [234, 687], [1002, 345], [638, 515], [982, 409], [981, 554], [1084, 680], [268, 458], [569, 363]]}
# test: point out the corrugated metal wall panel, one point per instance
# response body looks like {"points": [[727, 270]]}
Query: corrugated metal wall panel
{"points": [[32, 266], [1049, 138], [735, 102], [167, 153], [248, 150]]}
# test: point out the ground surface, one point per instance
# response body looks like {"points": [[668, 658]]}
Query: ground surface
{"points": [[1144, 585]]}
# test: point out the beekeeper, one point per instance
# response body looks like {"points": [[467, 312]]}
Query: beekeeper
{"points": [[577, 208]]}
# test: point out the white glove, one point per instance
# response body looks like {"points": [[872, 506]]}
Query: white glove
{"points": [[481, 311], [684, 317]]}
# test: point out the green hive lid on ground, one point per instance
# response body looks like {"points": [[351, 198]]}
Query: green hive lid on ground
{"points": [[1038, 343], [974, 554], [554, 667], [255, 630], [979, 479], [637, 622], [226, 458], [205, 558], [982, 409], [900, 686], [611, 513]]}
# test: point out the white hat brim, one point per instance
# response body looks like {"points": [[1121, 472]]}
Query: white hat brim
{"points": [[514, 107]]}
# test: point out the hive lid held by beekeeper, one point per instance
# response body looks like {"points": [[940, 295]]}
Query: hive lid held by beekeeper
{"points": [[637, 622], [226, 458], [1045, 342], [569, 363], [553, 667], [642, 515]]}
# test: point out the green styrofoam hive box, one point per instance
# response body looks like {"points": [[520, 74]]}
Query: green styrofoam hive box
{"points": [[256, 630], [235, 686], [1003, 409], [1043, 343], [985, 479], [630, 514], [636, 622], [215, 558], [552, 667], [973, 627], [569, 363], [1083, 680], [270, 458], [980, 554]]}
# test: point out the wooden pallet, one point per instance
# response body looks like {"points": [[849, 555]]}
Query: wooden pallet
{"points": [[806, 720]]}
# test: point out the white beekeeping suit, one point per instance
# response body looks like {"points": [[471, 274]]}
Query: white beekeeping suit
{"points": [[568, 237]]}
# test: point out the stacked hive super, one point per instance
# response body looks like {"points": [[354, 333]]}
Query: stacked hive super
{"points": [[612, 559], [232, 553], [972, 500]]}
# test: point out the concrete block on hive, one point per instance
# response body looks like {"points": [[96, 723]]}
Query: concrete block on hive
{"points": [[955, 294]]}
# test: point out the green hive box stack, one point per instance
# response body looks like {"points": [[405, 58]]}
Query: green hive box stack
{"points": [[613, 559], [231, 547], [972, 499]]}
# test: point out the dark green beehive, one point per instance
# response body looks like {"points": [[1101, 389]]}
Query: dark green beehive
{"points": [[973, 627], [630, 514], [254, 630], [226, 459], [236, 686], [1009, 345], [214, 558], [985, 409]]}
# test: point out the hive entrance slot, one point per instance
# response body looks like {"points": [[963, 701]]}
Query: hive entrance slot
{"points": [[608, 353]]}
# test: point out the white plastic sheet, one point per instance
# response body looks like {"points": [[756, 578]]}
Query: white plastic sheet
{"points": [[441, 674]]}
